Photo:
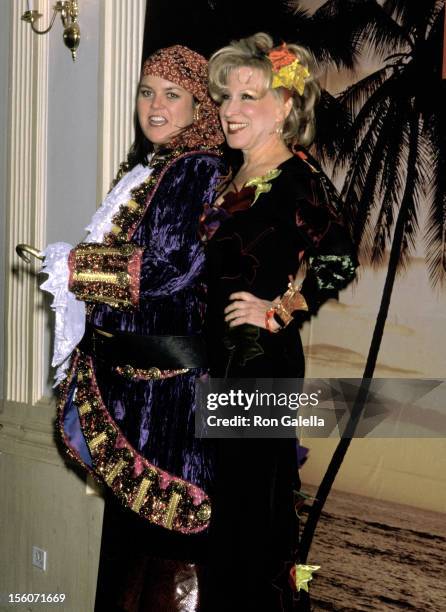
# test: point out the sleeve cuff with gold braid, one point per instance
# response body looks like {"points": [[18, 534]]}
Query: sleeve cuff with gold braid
{"points": [[110, 275]]}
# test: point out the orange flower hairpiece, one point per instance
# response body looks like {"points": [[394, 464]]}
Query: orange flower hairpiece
{"points": [[288, 72], [281, 57]]}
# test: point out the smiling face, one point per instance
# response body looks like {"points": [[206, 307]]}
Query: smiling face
{"points": [[250, 113], [164, 109]]}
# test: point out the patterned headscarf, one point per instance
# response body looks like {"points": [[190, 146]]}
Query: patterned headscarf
{"points": [[189, 70]]}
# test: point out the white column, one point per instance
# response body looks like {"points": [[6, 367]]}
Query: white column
{"points": [[122, 36], [26, 197]]}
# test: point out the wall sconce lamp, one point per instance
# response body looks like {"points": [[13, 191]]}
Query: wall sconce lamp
{"points": [[69, 12]]}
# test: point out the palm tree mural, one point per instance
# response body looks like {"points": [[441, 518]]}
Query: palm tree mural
{"points": [[395, 153]]}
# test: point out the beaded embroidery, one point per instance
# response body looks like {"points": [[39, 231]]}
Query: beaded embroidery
{"points": [[154, 494]]}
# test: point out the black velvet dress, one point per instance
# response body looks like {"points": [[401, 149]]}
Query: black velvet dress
{"points": [[256, 239]]}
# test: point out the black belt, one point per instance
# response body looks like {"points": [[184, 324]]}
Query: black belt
{"points": [[144, 352]]}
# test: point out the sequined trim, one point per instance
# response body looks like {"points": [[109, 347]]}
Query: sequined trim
{"points": [[104, 274], [151, 374], [129, 215], [152, 493], [332, 271]]}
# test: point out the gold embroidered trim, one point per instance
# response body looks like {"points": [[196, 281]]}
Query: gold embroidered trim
{"points": [[94, 249], [98, 440], [113, 301], [173, 505], [115, 470], [106, 273], [121, 279], [102, 332], [151, 374], [181, 505], [84, 408], [143, 488]]}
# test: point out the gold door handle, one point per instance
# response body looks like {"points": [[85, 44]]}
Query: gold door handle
{"points": [[23, 249]]}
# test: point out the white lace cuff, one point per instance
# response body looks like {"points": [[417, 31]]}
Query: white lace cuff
{"points": [[70, 313]]}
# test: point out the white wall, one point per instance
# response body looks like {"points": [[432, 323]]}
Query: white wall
{"points": [[73, 134], [73, 130]]}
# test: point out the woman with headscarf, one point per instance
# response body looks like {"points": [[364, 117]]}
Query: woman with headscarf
{"points": [[277, 218], [127, 403]]}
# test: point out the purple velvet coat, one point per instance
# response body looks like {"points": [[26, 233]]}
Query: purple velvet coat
{"points": [[155, 417]]}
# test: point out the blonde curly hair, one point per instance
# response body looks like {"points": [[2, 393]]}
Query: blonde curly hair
{"points": [[299, 126]]}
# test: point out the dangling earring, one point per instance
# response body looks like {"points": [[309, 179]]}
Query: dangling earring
{"points": [[197, 113], [278, 130]]}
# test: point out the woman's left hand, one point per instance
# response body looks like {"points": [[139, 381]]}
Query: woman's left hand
{"points": [[247, 308]]}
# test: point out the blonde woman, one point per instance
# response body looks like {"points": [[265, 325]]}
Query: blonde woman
{"points": [[272, 221]]}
